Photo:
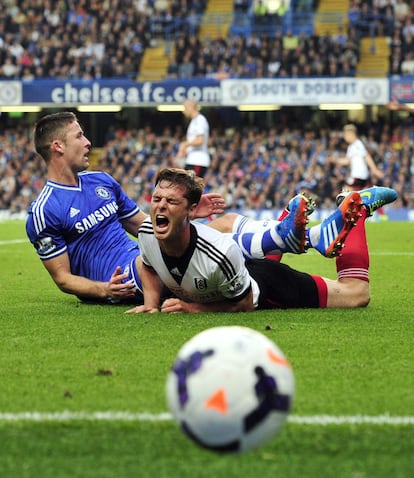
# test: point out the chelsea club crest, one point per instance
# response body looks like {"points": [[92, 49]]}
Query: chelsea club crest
{"points": [[102, 192]]}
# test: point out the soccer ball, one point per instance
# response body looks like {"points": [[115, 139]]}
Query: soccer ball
{"points": [[230, 389]]}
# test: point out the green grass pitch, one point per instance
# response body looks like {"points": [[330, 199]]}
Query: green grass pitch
{"points": [[58, 355]]}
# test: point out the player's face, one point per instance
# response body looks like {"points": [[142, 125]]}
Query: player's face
{"points": [[188, 109], [349, 136], [77, 147], [169, 212]]}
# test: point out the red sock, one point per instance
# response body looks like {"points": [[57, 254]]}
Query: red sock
{"points": [[278, 257], [354, 261], [381, 211]]}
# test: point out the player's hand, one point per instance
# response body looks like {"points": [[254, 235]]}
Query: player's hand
{"points": [[117, 289], [174, 306], [211, 203], [142, 309], [393, 105], [182, 150]]}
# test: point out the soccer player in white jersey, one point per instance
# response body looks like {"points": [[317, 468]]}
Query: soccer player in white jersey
{"points": [[194, 150], [80, 220], [206, 271], [361, 163]]}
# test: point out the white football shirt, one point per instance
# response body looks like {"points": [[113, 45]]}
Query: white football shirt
{"points": [[213, 268], [356, 153], [198, 155]]}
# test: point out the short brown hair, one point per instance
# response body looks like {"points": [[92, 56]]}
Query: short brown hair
{"points": [[350, 127], [193, 184], [50, 127]]}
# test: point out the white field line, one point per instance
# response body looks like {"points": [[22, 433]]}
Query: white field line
{"points": [[113, 416], [13, 241]]}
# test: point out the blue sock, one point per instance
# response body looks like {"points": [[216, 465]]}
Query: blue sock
{"points": [[257, 245]]}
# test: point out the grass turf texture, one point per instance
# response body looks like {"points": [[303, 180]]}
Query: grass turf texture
{"points": [[58, 354]]}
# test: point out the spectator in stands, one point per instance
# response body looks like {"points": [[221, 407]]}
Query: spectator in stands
{"points": [[260, 14], [272, 164], [407, 65], [57, 40], [401, 10]]}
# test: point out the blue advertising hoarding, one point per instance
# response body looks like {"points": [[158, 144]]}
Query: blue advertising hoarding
{"points": [[123, 92], [402, 89], [282, 91]]}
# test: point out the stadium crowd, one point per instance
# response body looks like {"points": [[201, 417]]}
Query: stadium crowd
{"points": [[87, 39], [252, 168], [264, 56], [82, 39]]}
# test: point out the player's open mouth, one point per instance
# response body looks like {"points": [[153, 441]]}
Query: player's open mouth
{"points": [[161, 221]]}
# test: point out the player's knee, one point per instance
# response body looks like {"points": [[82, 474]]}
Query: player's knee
{"points": [[224, 223], [352, 294], [362, 295]]}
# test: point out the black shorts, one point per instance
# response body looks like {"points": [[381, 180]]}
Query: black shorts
{"points": [[359, 184], [199, 171], [282, 287]]}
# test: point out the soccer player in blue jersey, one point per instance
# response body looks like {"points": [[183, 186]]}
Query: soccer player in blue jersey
{"points": [[80, 220]]}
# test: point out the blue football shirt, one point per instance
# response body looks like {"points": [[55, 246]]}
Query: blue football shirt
{"points": [[84, 221]]}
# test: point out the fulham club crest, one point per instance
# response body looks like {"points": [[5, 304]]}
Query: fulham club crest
{"points": [[200, 284]]}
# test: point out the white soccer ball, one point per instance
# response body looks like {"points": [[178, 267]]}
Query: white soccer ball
{"points": [[230, 389]]}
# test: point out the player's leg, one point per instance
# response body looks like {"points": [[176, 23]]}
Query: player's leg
{"points": [[199, 171], [351, 288], [287, 236], [283, 287], [256, 239]]}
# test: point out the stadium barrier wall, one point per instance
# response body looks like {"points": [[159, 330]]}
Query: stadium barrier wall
{"points": [[227, 92]]}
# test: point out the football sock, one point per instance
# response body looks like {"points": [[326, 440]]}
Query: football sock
{"points": [[313, 236], [278, 257], [256, 239], [354, 261], [255, 245]]}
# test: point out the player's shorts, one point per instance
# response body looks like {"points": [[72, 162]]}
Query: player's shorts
{"points": [[199, 171], [282, 287], [357, 184], [133, 277]]}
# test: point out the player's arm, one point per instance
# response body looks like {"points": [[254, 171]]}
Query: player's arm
{"points": [[152, 288], [341, 161], [197, 141], [245, 304], [59, 270], [395, 105], [375, 171], [133, 223]]}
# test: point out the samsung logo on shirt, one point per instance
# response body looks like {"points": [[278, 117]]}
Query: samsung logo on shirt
{"points": [[96, 217]]}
